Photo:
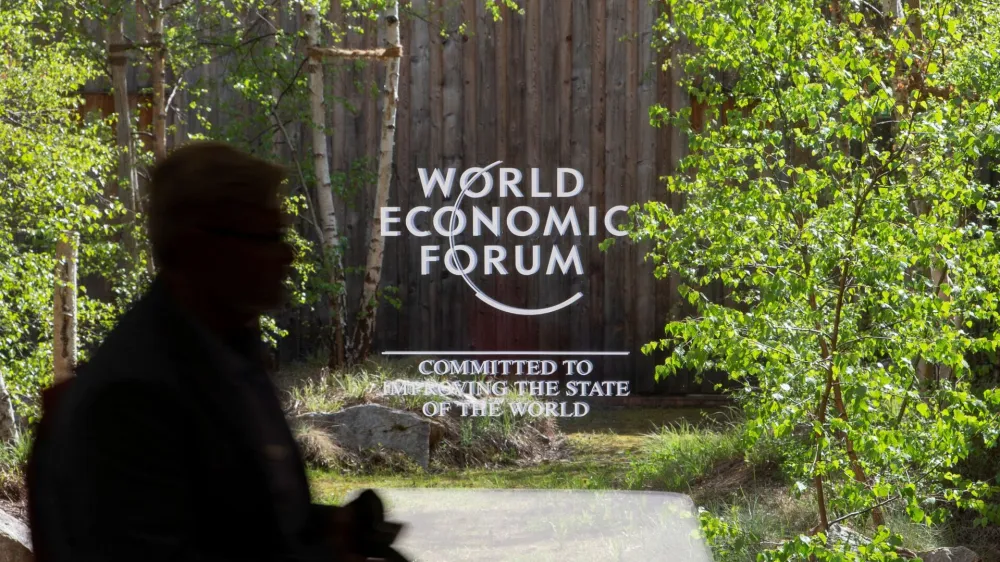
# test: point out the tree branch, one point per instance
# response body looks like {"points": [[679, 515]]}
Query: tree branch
{"points": [[386, 53], [302, 177], [865, 510]]}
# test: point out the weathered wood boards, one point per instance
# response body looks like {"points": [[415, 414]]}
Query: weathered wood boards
{"points": [[568, 84]]}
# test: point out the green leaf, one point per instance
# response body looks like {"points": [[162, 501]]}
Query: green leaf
{"points": [[923, 410]]}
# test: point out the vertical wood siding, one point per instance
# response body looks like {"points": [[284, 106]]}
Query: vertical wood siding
{"points": [[569, 84]]}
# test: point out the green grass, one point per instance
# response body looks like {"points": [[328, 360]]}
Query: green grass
{"points": [[763, 516], [13, 459], [677, 455], [599, 457], [697, 452], [688, 451], [312, 388]]}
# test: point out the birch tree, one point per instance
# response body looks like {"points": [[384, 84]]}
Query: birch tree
{"points": [[158, 70], [359, 345], [273, 21], [47, 182], [126, 181], [149, 32], [364, 329], [331, 242]]}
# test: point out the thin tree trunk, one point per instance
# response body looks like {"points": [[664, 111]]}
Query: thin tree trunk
{"points": [[126, 180], [159, 78], [926, 370], [8, 422], [364, 329], [324, 198], [832, 386], [938, 276], [274, 19], [892, 9], [859, 473], [64, 313], [149, 31]]}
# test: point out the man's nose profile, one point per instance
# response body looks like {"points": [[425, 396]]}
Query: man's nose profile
{"points": [[162, 447]]}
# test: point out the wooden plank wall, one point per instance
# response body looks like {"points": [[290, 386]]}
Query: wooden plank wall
{"points": [[568, 84]]}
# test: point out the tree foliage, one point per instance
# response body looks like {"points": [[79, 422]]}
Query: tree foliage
{"points": [[51, 166], [235, 71], [834, 191]]}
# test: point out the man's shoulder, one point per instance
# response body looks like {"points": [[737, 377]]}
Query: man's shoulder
{"points": [[134, 336], [126, 388], [136, 354], [129, 368], [141, 346]]}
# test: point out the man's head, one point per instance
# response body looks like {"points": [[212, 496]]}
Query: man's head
{"points": [[216, 222]]}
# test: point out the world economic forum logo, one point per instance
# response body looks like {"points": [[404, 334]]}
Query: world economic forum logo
{"points": [[451, 220]]}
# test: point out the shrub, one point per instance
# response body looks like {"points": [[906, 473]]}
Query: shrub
{"points": [[833, 191]]}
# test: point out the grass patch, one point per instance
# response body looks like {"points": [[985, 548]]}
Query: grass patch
{"points": [[466, 442], [658, 450], [758, 518], [13, 460], [314, 388], [599, 456], [678, 455], [763, 515], [699, 453]]}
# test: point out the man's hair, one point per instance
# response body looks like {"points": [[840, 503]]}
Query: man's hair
{"points": [[203, 178]]}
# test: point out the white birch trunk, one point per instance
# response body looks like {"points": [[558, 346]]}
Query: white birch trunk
{"points": [[892, 9], [149, 31], [64, 313], [8, 422], [126, 181], [364, 330], [324, 196]]}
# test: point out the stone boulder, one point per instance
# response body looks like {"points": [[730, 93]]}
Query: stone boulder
{"points": [[428, 389], [15, 539], [371, 425], [955, 554]]}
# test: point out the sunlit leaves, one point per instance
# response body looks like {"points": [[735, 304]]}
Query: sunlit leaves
{"points": [[841, 206], [50, 164]]}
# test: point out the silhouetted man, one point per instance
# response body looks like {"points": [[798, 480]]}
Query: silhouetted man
{"points": [[171, 443]]}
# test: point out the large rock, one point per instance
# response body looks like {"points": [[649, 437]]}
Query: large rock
{"points": [[429, 389], [956, 554], [371, 425], [15, 539]]}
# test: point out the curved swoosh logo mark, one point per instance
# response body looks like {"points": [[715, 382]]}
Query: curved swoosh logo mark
{"points": [[479, 293]]}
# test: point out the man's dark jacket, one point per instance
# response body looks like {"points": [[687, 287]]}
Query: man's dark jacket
{"points": [[149, 455]]}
